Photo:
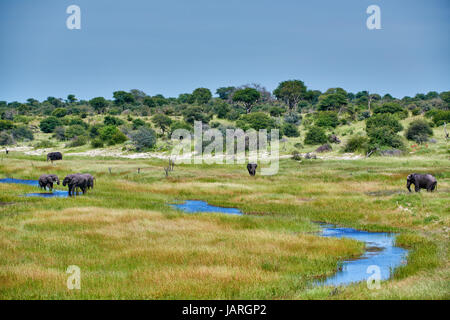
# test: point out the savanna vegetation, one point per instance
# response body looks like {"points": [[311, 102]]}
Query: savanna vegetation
{"points": [[130, 243]]}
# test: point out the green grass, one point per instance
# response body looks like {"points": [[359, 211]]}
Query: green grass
{"points": [[130, 244]]}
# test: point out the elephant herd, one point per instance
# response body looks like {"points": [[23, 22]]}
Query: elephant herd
{"points": [[74, 182]]}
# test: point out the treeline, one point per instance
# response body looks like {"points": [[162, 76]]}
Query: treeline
{"points": [[249, 106]]}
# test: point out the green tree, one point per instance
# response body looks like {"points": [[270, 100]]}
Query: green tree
{"points": [[112, 135], [99, 104], [334, 99], [327, 119], [419, 131], [49, 124], [315, 135], [201, 95], [257, 121], [71, 98], [162, 121], [225, 93], [149, 102], [195, 113], [290, 130], [246, 96], [291, 92], [221, 109], [123, 97], [59, 112], [143, 139]]}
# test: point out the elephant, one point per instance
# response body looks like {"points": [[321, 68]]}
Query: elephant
{"points": [[91, 179], [251, 167], [75, 181], [47, 180], [421, 181], [53, 156]]}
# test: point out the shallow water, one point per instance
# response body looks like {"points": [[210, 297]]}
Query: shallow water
{"points": [[35, 183], [195, 206], [380, 251], [380, 248]]}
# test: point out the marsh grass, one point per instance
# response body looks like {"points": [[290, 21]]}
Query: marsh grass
{"points": [[129, 243]]}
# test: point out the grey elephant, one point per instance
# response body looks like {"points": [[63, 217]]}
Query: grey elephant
{"points": [[54, 156], [47, 180], [90, 179], [421, 181], [76, 181], [251, 167]]}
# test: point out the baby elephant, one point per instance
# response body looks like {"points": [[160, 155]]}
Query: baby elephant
{"points": [[251, 167], [421, 181], [47, 180]]}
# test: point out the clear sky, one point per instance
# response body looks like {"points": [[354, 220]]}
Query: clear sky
{"points": [[174, 46]]}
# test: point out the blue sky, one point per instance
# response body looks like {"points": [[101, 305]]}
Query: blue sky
{"points": [[174, 46]]}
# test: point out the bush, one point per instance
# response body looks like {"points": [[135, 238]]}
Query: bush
{"points": [[383, 120], [60, 133], [276, 111], [327, 119], [290, 130], [78, 141], [49, 124], [97, 143], [144, 138], [296, 155], [356, 143], [221, 109], [179, 125], [195, 113], [22, 133], [59, 112], [293, 117], [112, 121], [419, 131], [6, 125], [44, 144], [315, 135], [393, 109], [383, 137], [257, 121], [112, 135], [440, 116], [75, 131], [363, 115], [6, 139], [138, 123]]}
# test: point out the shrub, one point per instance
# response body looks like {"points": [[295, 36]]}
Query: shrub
{"points": [[97, 143], [290, 130], [195, 113], [21, 133], [419, 131], [296, 155], [179, 125], [383, 137], [60, 133], [221, 109], [49, 124], [415, 111], [6, 125], [78, 141], [75, 131], [6, 139], [315, 135], [363, 115], [138, 123], [293, 117], [383, 120], [440, 116], [112, 121], [327, 119], [144, 138], [257, 121], [276, 111], [44, 144], [112, 135], [59, 112], [392, 108], [162, 121], [356, 143]]}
